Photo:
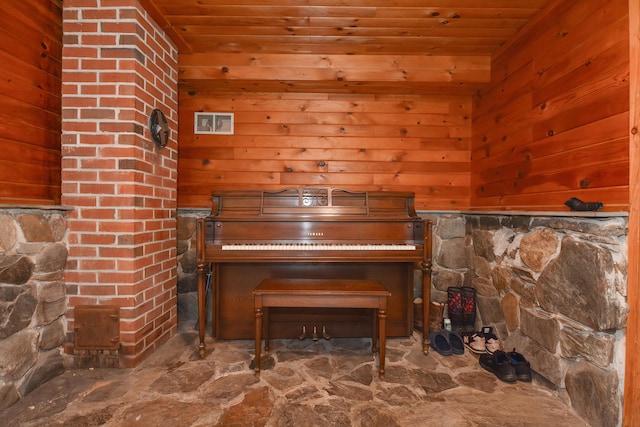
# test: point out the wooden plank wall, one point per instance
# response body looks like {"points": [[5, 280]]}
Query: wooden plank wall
{"points": [[632, 366], [365, 142], [30, 108], [554, 122]]}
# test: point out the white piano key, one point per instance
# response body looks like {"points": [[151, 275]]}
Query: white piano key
{"points": [[317, 247]]}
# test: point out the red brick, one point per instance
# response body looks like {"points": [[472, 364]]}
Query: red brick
{"points": [[82, 300], [87, 290], [116, 252], [74, 26], [129, 289], [153, 336], [116, 151], [80, 4], [79, 175], [123, 27], [98, 213], [97, 188], [80, 77], [80, 52], [123, 302], [81, 226], [80, 102], [83, 252], [96, 264], [116, 127], [117, 201], [119, 276], [97, 114], [77, 151], [118, 227], [69, 14], [71, 276], [97, 239], [99, 40], [98, 163], [79, 127], [132, 325], [70, 114], [101, 13], [98, 89], [119, 176]]}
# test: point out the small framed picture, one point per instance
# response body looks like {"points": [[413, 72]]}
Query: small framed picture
{"points": [[213, 123]]}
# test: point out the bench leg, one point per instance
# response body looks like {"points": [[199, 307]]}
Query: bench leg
{"points": [[374, 332], [258, 340], [266, 330]]}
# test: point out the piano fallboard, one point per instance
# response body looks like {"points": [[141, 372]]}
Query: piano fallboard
{"points": [[305, 240]]}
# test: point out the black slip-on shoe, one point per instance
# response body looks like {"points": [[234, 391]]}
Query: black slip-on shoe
{"points": [[439, 342], [500, 365], [521, 366], [455, 340]]}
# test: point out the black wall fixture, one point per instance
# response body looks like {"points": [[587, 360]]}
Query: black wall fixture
{"points": [[159, 128]]}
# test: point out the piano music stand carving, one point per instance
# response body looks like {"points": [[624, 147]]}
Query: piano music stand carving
{"points": [[314, 232]]}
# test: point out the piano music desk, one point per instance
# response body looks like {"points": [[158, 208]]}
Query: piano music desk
{"points": [[328, 293]]}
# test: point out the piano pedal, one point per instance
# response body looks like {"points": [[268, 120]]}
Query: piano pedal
{"points": [[325, 335], [303, 335], [315, 334]]}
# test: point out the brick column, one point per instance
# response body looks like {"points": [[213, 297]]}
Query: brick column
{"points": [[118, 65]]}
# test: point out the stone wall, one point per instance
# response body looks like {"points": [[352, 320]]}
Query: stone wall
{"points": [[187, 274], [553, 288], [33, 255]]}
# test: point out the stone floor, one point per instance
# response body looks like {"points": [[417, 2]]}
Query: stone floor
{"points": [[305, 383]]}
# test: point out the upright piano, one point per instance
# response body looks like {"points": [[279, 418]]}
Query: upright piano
{"points": [[316, 233]]}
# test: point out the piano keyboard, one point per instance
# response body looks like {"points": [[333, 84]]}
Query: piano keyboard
{"points": [[317, 247]]}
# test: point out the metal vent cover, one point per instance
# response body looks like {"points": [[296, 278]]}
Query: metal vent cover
{"points": [[97, 327]]}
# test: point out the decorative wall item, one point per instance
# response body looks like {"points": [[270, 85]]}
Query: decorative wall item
{"points": [[159, 128], [213, 123]]}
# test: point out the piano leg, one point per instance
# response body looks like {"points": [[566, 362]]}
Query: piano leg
{"points": [[426, 284], [202, 308], [382, 333], [258, 338], [425, 327]]}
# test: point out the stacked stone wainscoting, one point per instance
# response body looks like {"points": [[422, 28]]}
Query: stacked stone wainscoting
{"points": [[33, 255], [451, 265], [187, 273], [553, 288]]}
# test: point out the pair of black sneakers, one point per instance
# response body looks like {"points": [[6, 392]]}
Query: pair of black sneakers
{"points": [[508, 367]]}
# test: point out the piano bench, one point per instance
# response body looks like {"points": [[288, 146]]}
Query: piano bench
{"points": [[328, 293]]}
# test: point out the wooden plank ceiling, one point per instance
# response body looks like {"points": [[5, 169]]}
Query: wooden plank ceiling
{"points": [[339, 46]]}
